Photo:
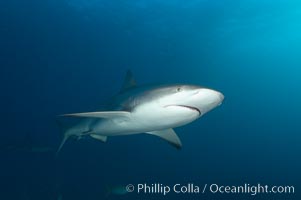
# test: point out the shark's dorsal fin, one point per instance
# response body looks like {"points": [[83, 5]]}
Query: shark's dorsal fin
{"points": [[129, 81], [170, 136]]}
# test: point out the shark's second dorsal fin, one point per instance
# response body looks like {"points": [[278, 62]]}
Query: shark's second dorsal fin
{"points": [[129, 81]]}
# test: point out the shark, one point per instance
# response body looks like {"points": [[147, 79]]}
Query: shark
{"points": [[151, 109], [27, 145]]}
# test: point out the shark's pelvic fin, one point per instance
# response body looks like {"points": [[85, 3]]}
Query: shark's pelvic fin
{"points": [[99, 137], [105, 114], [170, 136], [129, 81]]}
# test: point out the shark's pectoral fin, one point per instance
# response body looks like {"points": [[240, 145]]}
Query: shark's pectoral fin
{"points": [[99, 137], [170, 136], [105, 114]]}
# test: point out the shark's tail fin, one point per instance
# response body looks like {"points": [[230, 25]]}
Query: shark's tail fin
{"points": [[65, 135]]}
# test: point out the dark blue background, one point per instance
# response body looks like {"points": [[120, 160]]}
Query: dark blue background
{"points": [[69, 56]]}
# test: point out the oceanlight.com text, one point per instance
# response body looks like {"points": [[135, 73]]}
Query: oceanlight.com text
{"points": [[193, 188]]}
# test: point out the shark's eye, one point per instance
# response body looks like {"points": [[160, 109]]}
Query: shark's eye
{"points": [[179, 89]]}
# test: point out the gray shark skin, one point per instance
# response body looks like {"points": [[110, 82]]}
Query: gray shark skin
{"points": [[154, 110]]}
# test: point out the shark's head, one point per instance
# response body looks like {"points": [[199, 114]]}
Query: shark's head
{"points": [[175, 105], [190, 97]]}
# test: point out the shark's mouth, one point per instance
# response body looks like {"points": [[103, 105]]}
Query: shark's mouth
{"points": [[189, 107], [192, 108]]}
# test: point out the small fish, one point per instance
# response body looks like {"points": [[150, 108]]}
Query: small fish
{"points": [[116, 190], [60, 197]]}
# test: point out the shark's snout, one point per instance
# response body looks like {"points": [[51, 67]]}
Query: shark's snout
{"points": [[221, 97], [207, 99], [218, 97]]}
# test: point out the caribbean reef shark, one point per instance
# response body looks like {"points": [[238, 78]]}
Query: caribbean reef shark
{"points": [[154, 110]]}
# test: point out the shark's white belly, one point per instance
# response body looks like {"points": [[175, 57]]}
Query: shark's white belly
{"points": [[145, 119]]}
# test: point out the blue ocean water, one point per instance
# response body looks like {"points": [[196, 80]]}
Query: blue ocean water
{"points": [[64, 56]]}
